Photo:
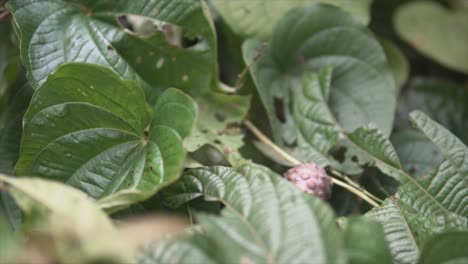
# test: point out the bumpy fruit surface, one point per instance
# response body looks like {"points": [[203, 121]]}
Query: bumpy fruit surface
{"points": [[311, 179]]}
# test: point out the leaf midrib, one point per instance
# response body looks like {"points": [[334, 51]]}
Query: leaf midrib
{"points": [[91, 105], [92, 158], [268, 255], [88, 129]]}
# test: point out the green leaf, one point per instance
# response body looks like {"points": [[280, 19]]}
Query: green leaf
{"points": [[317, 129], [449, 181], [265, 220], [258, 18], [220, 125], [53, 32], [417, 154], [373, 147], [446, 248], [431, 204], [11, 126], [87, 127], [401, 240], [8, 240], [360, 91], [444, 101], [436, 32], [407, 230], [180, 251], [365, 242], [9, 62], [175, 109], [59, 209], [10, 138], [397, 62]]}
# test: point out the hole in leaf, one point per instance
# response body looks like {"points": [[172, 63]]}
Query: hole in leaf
{"points": [[173, 34], [279, 109], [231, 129], [291, 144], [340, 154], [123, 22], [143, 26], [189, 42]]}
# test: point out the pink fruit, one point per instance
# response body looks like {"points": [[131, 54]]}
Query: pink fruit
{"points": [[311, 179]]}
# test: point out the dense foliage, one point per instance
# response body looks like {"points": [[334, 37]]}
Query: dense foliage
{"points": [[159, 131]]}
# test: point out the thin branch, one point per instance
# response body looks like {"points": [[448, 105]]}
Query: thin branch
{"points": [[355, 185], [379, 186], [241, 76], [355, 191], [190, 215], [259, 134]]}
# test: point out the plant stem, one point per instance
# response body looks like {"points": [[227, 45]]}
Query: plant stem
{"points": [[241, 76], [355, 185], [355, 191], [259, 134], [348, 186]]}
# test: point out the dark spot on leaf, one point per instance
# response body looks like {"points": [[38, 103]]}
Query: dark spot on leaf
{"points": [[204, 131], [354, 158], [228, 151], [138, 60], [151, 168], [110, 48], [217, 142], [279, 109], [412, 170], [220, 116], [236, 105]]}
